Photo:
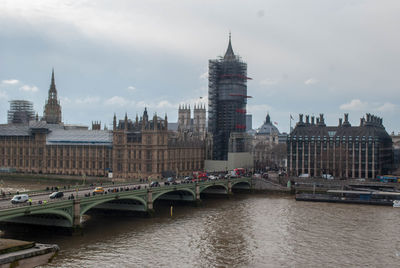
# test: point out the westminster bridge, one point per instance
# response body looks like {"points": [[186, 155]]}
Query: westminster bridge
{"points": [[129, 197]]}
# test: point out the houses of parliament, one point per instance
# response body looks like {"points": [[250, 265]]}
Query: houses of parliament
{"points": [[139, 148]]}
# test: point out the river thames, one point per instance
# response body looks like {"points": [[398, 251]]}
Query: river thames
{"points": [[247, 230]]}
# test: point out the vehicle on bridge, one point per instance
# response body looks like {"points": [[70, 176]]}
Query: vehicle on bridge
{"points": [[56, 195], [327, 176], [200, 176], [388, 178], [154, 184], [20, 198], [99, 190], [239, 171]]}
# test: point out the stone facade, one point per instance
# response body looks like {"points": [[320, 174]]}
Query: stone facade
{"points": [[195, 125], [137, 149], [145, 148], [51, 149], [343, 151], [133, 149]]}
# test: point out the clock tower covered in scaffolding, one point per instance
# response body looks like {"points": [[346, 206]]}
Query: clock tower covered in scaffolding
{"points": [[227, 99]]}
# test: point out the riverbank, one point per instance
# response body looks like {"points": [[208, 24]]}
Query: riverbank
{"points": [[17, 253], [53, 178]]}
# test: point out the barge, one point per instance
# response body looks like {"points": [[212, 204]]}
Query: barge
{"points": [[382, 198]]}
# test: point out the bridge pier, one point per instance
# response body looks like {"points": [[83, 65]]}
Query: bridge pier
{"points": [[77, 213], [229, 188], [197, 202], [150, 209], [76, 220]]}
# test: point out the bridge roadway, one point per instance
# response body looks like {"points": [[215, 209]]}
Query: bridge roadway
{"points": [[68, 213]]}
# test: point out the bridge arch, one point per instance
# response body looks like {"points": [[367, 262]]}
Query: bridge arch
{"points": [[57, 212], [241, 182], [159, 194], [220, 185], [84, 209]]}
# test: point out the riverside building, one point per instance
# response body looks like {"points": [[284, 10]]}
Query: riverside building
{"points": [[343, 151], [132, 149]]}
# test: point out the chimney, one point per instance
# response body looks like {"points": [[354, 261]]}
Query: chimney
{"points": [[312, 120], [340, 122]]}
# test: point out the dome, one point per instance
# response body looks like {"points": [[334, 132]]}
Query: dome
{"points": [[267, 128]]}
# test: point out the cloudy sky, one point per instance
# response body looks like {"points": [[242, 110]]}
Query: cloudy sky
{"points": [[309, 56]]}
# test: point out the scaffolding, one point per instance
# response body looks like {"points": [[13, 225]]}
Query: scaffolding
{"points": [[21, 111], [227, 99]]}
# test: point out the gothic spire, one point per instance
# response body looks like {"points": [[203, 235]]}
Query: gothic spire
{"points": [[52, 90], [229, 52]]}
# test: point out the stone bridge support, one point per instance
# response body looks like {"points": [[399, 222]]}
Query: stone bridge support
{"points": [[77, 213], [229, 187], [198, 200], [150, 209]]}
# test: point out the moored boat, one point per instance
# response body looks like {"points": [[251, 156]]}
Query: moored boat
{"points": [[355, 197]]}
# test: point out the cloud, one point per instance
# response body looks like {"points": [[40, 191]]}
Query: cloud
{"points": [[257, 108], [3, 95], [358, 105], [354, 105], [261, 13], [387, 107], [117, 100], [165, 104], [204, 75], [311, 81], [28, 88], [269, 81], [65, 100], [87, 100], [132, 88], [10, 82]]}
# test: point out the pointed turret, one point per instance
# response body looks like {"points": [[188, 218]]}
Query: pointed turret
{"points": [[52, 109], [115, 122], [268, 119], [52, 90], [126, 121], [229, 55]]}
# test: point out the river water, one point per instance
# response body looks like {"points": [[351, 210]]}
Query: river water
{"points": [[247, 230]]}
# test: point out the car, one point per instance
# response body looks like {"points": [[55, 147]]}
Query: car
{"points": [[327, 176], [154, 184], [212, 177], [305, 175], [19, 198], [56, 195], [98, 190], [170, 179]]}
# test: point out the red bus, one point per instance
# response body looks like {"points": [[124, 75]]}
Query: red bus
{"points": [[199, 175], [239, 171]]}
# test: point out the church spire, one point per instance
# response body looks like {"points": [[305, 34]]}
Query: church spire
{"points": [[52, 109], [52, 89], [229, 52]]}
